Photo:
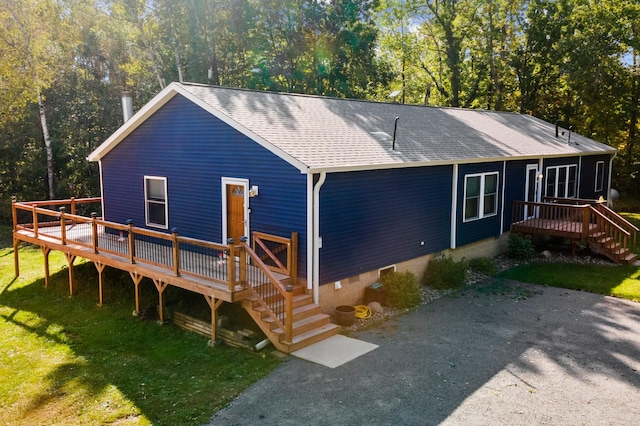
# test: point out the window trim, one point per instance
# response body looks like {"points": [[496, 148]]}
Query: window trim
{"points": [[567, 168], [147, 202], [481, 195], [600, 175]]}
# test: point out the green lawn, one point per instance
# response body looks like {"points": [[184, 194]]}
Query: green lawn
{"points": [[69, 361]]}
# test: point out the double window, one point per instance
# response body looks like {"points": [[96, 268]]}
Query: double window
{"points": [[561, 181], [155, 198], [480, 195]]}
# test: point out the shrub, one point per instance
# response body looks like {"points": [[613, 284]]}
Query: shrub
{"points": [[402, 288], [444, 272], [520, 247], [484, 265]]}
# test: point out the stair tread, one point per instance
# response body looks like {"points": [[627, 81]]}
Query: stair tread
{"points": [[296, 311], [314, 336], [305, 322]]}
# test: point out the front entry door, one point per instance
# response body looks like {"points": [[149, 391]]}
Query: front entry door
{"points": [[236, 222], [532, 190]]}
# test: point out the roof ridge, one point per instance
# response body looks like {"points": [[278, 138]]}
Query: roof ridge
{"points": [[325, 97]]}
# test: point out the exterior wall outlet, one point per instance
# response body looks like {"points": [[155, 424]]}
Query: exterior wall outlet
{"points": [[338, 285]]}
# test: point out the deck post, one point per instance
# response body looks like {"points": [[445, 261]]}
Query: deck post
{"points": [[16, 242], [231, 264], [243, 262], [214, 304], [586, 216], [176, 251], [132, 242], [63, 226], [136, 283], [35, 221], [100, 267], [94, 233], [70, 259], [161, 286], [45, 254]]}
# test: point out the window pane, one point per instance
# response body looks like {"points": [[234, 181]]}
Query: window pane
{"points": [[155, 189], [156, 213], [562, 182], [551, 183], [473, 186], [491, 184], [490, 204], [471, 208], [571, 181], [599, 175]]}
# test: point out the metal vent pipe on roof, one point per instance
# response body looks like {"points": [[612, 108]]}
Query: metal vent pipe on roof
{"points": [[395, 128], [127, 105]]}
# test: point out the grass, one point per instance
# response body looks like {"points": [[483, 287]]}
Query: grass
{"points": [[620, 281], [611, 280], [69, 361]]}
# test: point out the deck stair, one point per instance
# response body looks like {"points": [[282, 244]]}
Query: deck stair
{"points": [[309, 324], [607, 246]]}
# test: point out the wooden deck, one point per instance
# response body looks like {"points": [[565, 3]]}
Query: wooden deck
{"points": [[590, 221], [233, 272]]}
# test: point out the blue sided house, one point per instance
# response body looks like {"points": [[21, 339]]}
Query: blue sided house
{"points": [[368, 187]]}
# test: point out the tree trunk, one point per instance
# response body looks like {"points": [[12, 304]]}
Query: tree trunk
{"points": [[47, 146]]}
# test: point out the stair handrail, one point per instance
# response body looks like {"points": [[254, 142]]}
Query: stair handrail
{"points": [[287, 321], [608, 212], [612, 229]]}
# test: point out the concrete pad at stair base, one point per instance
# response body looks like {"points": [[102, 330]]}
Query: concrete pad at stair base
{"points": [[334, 351]]}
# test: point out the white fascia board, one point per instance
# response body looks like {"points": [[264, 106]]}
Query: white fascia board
{"points": [[359, 168], [235, 125], [138, 118]]}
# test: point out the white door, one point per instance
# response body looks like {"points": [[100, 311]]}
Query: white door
{"points": [[533, 190]]}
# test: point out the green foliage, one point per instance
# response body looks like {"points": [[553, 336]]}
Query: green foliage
{"points": [[484, 265], [402, 289], [520, 247], [445, 273]]}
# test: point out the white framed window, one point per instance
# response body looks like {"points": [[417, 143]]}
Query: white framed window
{"points": [[561, 181], [386, 270], [155, 202], [480, 196], [599, 176]]}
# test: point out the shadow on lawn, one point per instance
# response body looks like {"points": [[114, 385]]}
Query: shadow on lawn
{"points": [[170, 376]]}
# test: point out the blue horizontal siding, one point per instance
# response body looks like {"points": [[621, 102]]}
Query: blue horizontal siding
{"points": [[476, 230], [194, 150], [372, 219], [588, 177], [515, 181]]}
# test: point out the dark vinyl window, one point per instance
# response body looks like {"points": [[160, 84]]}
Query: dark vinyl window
{"points": [[599, 176], [155, 194], [480, 196], [561, 181]]}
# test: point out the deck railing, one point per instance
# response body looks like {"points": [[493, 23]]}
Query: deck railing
{"points": [[168, 251], [279, 254], [578, 221]]}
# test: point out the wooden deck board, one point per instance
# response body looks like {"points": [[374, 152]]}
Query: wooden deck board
{"points": [[554, 227]]}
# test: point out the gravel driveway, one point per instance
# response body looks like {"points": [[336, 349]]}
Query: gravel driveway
{"points": [[556, 357]]}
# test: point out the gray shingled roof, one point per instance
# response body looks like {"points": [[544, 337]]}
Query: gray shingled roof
{"points": [[332, 134], [339, 133]]}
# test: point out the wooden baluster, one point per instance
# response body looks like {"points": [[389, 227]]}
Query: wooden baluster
{"points": [[35, 221]]}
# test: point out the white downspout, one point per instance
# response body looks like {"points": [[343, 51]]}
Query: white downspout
{"points": [[609, 200], [316, 237], [310, 234], [454, 206]]}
